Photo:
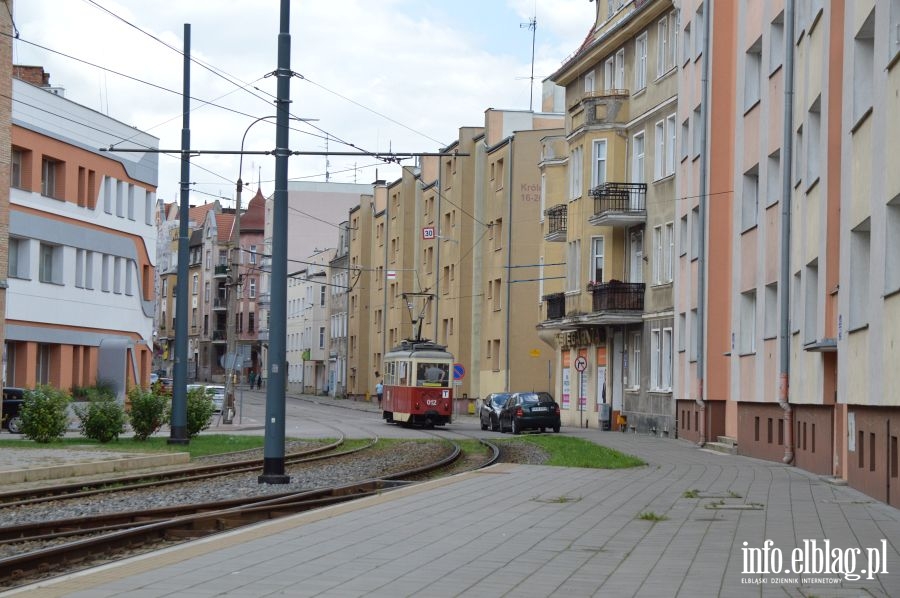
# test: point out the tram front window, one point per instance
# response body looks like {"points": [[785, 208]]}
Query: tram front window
{"points": [[433, 374]]}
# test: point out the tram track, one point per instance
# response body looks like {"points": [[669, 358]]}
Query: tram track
{"points": [[67, 545]]}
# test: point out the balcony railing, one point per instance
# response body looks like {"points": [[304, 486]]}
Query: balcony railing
{"points": [[619, 204], [219, 336], [262, 335], [263, 300], [625, 296], [556, 306], [557, 216], [221, 271], [219, 303]]}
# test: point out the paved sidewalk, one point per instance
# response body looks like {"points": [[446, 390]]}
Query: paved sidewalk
{"points": [[517, 530]]}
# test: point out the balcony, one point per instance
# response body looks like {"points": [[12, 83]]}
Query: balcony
{"points": [[263, 300], [619, 204], [221, 271], [604, 107], [263, 335], [617, 296], [556, 305], [557, 217], [219, 336], [220, 304]]}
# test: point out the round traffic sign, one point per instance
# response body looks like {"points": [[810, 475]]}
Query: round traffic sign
{"points": [[459, 371], [580, 363]]}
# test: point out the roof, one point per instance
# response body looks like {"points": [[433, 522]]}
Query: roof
{"points": [[197, 214], [254, 219], [224, 222]]}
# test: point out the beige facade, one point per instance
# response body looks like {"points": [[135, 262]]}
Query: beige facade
{"points": [[608, 303]]}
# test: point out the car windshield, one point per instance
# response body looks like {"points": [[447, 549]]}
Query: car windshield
{"points": [[529, 399], [499, 400]]}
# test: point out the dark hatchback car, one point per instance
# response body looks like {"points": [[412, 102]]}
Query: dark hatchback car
{"points": [[490, 410], [529, 411], [12, 407]]}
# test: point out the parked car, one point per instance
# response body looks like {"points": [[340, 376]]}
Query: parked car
{"points": [[12, 407], [490, 410], [529, 411], [217, 393]]}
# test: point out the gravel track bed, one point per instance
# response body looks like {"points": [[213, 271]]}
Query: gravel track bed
{"points": [[375, 462]]}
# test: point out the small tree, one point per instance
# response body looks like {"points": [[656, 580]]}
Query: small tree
{"points": [[200, 409], [148, 411], [102, 419], [44, 413]]}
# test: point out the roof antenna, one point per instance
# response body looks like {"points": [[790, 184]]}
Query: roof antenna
{"points": [[532, 25]]}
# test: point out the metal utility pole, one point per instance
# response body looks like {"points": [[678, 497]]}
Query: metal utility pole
{"points": [[273, 454], [234, 282], [178, 428]]}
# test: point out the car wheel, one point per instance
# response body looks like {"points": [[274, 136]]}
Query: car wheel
{"points": [[515, 427], [556, 429], [15, 425]]}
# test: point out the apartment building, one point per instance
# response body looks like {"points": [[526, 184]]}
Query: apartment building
{"points": [[608, 304], [6, 63], [362, 371], [82, 245], [339, 277]]}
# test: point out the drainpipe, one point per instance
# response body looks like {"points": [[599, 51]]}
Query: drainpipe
{"points": [[702, 242], [785, 282], [509, 182]]}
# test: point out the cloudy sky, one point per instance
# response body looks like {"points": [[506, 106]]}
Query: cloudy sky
{"points": [[385, 74]]}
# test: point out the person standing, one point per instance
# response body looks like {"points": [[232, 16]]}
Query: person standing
{"points": [[379, 390]]}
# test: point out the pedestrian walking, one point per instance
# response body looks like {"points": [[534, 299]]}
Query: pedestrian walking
{"points": [[259, 381], [379, 390]]}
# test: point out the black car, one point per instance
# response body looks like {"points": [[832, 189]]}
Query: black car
{"points": [[529, 411], [490, 410], [12, 406]]}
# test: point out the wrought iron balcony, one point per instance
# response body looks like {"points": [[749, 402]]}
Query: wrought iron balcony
{"points": [[556, 222], [617, 296], [556, 305], [619, 204], [219, 336], [221, 271], [220, 304]]}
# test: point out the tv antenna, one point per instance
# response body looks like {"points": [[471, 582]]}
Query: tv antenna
{"points": [[532, 25]]}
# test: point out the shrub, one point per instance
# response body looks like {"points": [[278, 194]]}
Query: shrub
{"points": [[102, 419], [148, 411], [200, 409], [44, 413]]}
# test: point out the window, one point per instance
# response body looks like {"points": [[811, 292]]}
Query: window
{"points": [[695, 233], [698, 126], [892, 246], [753, 74], [750, 199], [79, 268], [748, 323], [129, 278], [640, 62], [321, 293], [670, 145], [573, 266], [864, 67], [16, 163], [252, 290], [130, 201], [18, 258], [498, 234], [811, 302], [773, 178], [813, 149], [597, 259], [609, 73], [658, 254], [598, 173], [50, 172], [776, 43], [634, 364], [195, 284], [695, 331], [770, 307], [589, 83], [893, 50], [497, 295], [321, 336], [669, 252], [637, 159], [253, 254], [576, 166], [117, 275], [662, 47], [698, 31], [798, 156], [659, 155], [50, 267], [860, 243], [682, 330], [683, 243], [685, 139], [686, 47], [620, 69], [795, 303], [636, 272]]}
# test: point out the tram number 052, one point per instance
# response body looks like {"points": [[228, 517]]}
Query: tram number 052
{"points": [[431, 402]]}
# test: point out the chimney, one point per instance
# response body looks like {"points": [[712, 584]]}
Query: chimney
{"points": [[32, 74]]}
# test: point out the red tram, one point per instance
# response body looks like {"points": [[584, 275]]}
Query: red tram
{"points": [[417, 384]]}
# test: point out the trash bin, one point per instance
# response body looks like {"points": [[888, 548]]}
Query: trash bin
{"points": [[605, 416]]}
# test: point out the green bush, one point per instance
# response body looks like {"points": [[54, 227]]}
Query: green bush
{"points": [[200, 409], [44, 413], [148, 411], [102, 418]]}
